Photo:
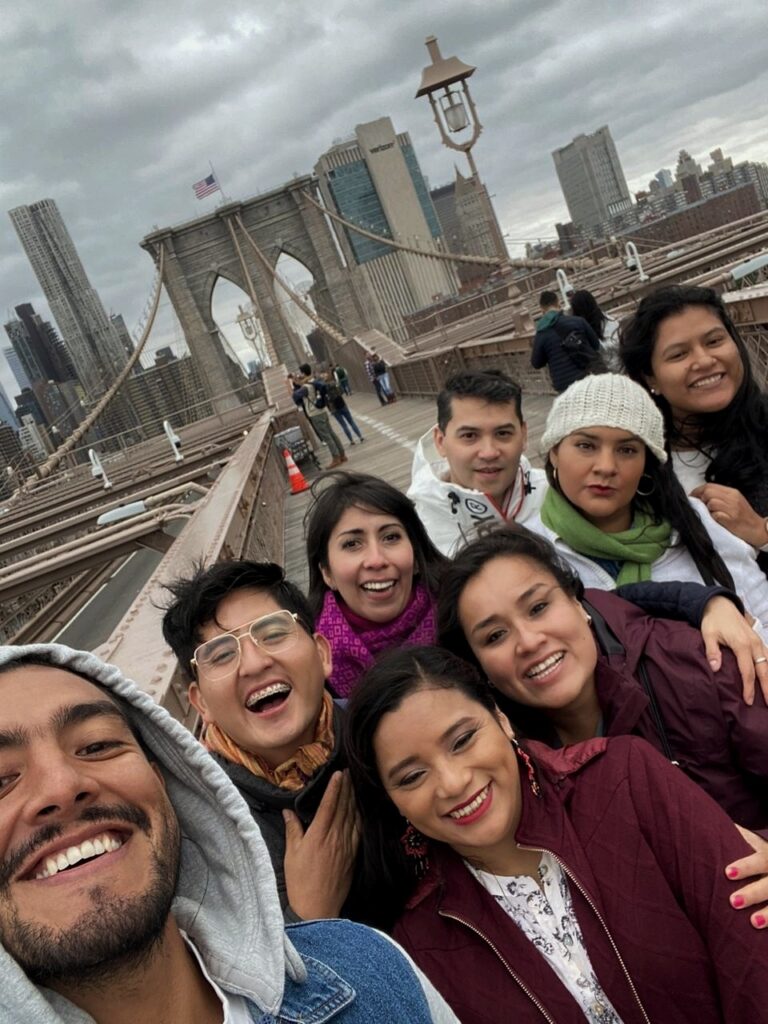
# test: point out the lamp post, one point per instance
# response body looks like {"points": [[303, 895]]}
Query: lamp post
{"points": [[444, 83], [564, 286], [175, 441], [632, 261], [250, 327], [97, 470]]}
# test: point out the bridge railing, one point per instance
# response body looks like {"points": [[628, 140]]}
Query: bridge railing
{"points": [[749, 309], [422, 376], [241, 517]]}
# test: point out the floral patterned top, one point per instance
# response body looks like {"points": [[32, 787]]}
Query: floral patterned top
{"points": [[545, 916]]}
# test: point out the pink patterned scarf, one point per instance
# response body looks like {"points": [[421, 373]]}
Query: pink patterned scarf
{"points": [[355, 650]]}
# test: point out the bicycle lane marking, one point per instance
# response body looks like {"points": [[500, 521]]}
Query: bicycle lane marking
{"points": [[388, 432]]}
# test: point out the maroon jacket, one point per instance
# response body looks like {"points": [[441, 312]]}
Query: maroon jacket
{"points": [[644, 849], [717, 739]]}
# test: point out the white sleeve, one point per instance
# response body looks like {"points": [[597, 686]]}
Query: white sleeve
{"points": [[442, 528], [748, 579], [439, 1009]]}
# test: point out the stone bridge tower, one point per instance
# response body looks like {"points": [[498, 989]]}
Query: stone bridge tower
{"points": [[201, 251]]}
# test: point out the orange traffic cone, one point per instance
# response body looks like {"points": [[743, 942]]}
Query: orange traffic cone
{"points": [[295, 476]]}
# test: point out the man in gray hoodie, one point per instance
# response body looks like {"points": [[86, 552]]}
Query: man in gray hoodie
{"points": [[134, 883]]}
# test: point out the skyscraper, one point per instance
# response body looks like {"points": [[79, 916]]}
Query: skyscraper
{"points": [[6, 412], [593, 183], [89, 336], [12, 357], [39, 348], [469, 224], [374, 180]]}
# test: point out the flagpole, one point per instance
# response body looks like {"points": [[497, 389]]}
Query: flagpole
{"points": [[224, 197]]}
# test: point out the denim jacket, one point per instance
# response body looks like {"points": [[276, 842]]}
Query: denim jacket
{"points": [[361, 958]]}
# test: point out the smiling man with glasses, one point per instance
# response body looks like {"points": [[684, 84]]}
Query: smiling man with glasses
{"points": [[256, 669]]}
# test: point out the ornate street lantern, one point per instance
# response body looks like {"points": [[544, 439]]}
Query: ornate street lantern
{"points": [[444, 82]]}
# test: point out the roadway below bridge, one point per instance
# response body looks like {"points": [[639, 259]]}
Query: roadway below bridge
{"points": [[95, 620], [391, 433]]}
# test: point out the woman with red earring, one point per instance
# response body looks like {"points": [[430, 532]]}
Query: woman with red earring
{"points": [[529, 885]]}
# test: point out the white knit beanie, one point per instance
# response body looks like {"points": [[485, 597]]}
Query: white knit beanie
{"points": [[606, 400]]}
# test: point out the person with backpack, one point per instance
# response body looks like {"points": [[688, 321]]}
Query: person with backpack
{"points": [[342, 379], [606, 327], [339, 408], [314, 403], [567, 344]]}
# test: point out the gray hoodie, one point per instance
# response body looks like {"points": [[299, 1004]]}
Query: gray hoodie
{"points": [[226, 898]]}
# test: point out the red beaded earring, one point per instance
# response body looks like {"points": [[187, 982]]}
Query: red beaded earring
{"points": [[415, 847], [525, 758]]}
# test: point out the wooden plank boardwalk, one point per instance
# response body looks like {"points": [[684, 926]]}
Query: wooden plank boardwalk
{"points": [[391, 433]]}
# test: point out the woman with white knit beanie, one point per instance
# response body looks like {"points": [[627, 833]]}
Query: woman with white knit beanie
{"points": [[615, 509]]}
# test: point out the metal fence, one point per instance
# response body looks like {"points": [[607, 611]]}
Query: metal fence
{"points": [[423, 376]]}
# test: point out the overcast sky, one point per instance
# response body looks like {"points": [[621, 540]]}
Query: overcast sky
{"points": [[115, 107]]}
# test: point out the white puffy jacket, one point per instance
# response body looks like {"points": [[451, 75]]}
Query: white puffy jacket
{"points": [[451, 513]]}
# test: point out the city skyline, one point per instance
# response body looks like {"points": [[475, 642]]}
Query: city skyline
{"points": [[115, 117]]}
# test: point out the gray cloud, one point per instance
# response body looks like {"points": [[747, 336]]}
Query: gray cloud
{"points": [[115, 109]]}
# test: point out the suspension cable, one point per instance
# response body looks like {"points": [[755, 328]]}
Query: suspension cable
{"points": [[323, 324], [488, 261]]}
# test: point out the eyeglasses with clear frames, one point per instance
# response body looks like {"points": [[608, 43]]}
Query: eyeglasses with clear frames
{"points": [[220, 657]]}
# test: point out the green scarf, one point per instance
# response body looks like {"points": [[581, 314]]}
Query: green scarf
{"points": [[547, 320], [637, 548]]}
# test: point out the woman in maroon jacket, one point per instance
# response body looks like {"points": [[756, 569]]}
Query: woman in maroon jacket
{"points": [[580, 888], [570, 665]]}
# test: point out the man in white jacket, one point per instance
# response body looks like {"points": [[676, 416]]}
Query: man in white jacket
{"points": [[470, 468]]}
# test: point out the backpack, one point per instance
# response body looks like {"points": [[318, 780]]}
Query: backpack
{"points": [[379, 367], [334, 396], [319, 393], [576, 346]]}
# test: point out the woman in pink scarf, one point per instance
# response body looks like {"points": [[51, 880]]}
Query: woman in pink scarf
{"points": [[373, 573]]}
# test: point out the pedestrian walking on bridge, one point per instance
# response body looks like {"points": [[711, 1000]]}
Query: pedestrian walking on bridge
{"points": [[311, 396]]}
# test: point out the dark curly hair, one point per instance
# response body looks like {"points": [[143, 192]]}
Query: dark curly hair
{"points": [[196, 598]]}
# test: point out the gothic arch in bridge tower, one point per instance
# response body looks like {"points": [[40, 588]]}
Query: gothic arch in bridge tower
{"points": [[230, 242], [227, 299], [295, 272]]}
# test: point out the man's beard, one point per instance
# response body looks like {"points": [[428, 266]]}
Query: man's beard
{"points": [[117, 933]]}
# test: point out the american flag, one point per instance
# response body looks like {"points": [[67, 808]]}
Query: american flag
{"points": [[206, 186]]}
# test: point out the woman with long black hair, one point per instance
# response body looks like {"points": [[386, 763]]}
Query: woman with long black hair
{"points": [[683, 347], [569, 664], [615, 509], [585, 305], [591, 889]]}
